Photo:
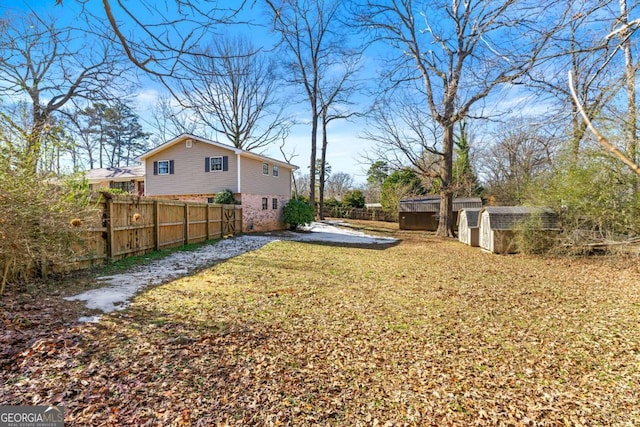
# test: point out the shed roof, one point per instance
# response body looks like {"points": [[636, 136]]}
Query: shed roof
{"points": [[432, 204], [508, 217], [472, 217]]}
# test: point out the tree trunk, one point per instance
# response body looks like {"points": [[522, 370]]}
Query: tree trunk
{"points": [[323, 164], [312, 164], [630, 75], [445, 223]]}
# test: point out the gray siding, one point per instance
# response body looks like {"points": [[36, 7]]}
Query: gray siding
{"points": [[255, 182], [189, 175]]}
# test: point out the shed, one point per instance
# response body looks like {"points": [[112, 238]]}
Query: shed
{"points": [[422, 213], [469, 226], [499, 225]]}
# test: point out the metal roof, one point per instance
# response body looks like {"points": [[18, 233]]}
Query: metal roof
{"points": [[432, 204], [508, 217]]}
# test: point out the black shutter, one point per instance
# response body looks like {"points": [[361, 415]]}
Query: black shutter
{"points": [[225, 163], [206, 164], [155, 168], [171, 167]]}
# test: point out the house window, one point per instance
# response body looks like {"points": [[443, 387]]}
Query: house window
{"points": [[163, 167], [265, 168], [265, 203], [275, 170], [215, 163], [274, 203]]}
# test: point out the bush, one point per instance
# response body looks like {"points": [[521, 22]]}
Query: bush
{"points": [[353, 199], [224, 198], [296, 213], [595, 199], [40, 223]]}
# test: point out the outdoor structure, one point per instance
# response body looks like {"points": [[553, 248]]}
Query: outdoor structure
{"points": [[194, 169], [469, 227], [499, 225], [127, 178], [422, 213]]}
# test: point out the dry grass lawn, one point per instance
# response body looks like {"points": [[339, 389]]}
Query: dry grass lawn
{"points": [[427, 332]]}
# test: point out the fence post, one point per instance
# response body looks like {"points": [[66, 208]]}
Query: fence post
{"points": [[206, 220], [185, 228], [110, 243], [156, 225]]}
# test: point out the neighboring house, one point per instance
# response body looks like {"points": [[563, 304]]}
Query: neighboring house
{"points": [[127, 178], [500, 224], [195, 169], [423, 213]]}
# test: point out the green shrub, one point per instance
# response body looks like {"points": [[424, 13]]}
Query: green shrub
{"points": [[296, 213], [354, 199], [224, 198]]}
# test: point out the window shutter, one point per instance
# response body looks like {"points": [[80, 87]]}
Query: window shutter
{"points": [[155, 168], [225, 163], [207, 164], [171, 167]]}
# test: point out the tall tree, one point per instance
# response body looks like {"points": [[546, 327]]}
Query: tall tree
{"points": [[233, 90], [320, 62], [50, 67], [578, 45], [113, 133], [459, 51]]}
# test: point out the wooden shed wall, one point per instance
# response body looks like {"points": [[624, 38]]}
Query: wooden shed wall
{"points": [[425, 221]]}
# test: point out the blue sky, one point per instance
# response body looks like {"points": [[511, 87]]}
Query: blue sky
{"points": [[346, 147]]}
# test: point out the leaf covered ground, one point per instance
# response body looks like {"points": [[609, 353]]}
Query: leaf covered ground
{"points": [[426, 332]]}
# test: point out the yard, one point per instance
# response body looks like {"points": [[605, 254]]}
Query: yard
{"points": [[425, 332]]}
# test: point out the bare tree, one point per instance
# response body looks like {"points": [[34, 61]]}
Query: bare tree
{"points": [[578, 45], [521, 152], [459, 51], [50, 67], [233, 90], [404, 134], [624, 29], [338, 184], [321, 63], [158, 37]]}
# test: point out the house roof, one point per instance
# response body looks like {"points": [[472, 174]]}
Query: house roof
{"points": [[508, 217], [432, 204], [237, 151], [127, 173], [472, 215]]}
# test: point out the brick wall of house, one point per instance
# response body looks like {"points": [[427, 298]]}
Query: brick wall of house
{"points": [[255, 218]]}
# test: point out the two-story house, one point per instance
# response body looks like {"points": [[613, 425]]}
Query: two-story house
{"points": [[192, 168]]}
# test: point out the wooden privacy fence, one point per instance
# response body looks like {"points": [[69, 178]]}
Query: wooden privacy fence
{"points": [[135, 226], [367, 214]]}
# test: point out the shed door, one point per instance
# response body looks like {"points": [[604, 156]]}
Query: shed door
{"points": [[463, 230], [485, 232]]}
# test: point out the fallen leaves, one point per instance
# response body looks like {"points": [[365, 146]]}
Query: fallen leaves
{"points": [[428, 332]]}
